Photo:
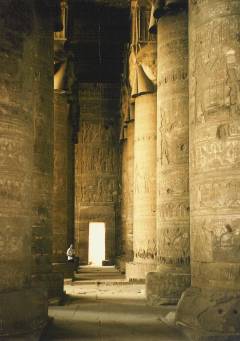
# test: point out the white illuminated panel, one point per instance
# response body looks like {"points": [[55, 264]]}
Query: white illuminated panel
{"points": [[96, 248]]}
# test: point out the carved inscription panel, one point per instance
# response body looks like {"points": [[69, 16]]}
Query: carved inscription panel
{"points": [[173, 240], [214, 137], [144, 195]]}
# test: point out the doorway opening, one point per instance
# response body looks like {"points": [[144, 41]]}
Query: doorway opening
{"points": [[96, 245]]}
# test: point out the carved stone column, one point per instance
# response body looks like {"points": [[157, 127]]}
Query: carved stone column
{"points": [[61, 184], [23, 310], [144, 196], [173, 273], [124, 200], [127, 144], [130, 172], [43, 159], [127, 195], [211, 305]]}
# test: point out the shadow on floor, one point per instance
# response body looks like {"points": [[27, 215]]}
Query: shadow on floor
{"points": [[103, 315]]}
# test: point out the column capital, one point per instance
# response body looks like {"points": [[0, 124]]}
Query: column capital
{"points": [[162, 7]]}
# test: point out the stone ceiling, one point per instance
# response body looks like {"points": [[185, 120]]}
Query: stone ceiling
{"points": [[99, 33], [111, 3]]}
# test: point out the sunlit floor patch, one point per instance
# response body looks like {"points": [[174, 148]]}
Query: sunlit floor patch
{"points": [[109, 313]]}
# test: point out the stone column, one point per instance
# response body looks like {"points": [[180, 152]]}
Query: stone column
{"points": [[211, 305], [124, 200], [43, 159], [127, 195], [173, 272], [23, 310], [144, 196], [142, 79], [130, 167], [61, 183]]}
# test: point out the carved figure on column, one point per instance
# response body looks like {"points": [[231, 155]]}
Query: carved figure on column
{"points": [[209, 309], [173, 245]]}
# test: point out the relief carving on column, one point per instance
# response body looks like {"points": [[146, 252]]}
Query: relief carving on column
{"points": [[214, 168]]}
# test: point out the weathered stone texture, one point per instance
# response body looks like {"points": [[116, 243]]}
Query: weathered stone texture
{"points": [[43, 147], [127, 193], [144, 226], [124, 192], [16, 154], [214, 168], [130, 171], [43, 154], [172, 162], [62, 196], [144, 196], [97, 164]]}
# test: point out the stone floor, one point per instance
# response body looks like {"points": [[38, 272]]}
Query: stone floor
{"points": [[109, 312]]}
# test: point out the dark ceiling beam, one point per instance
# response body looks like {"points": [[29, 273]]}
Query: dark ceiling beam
{"points": [[111, 3]]}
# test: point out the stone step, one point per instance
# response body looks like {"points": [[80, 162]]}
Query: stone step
{"points": [[107, 282], [105, 269], [97, 274]]}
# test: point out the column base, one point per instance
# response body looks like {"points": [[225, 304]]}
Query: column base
{"points": [[53, 282], [121, 263], [166, 287], [67, 269], [138, 271], [210, 314], [23, 314]]}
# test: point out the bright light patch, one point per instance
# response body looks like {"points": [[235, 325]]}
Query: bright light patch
{"points": [[96, 247]]}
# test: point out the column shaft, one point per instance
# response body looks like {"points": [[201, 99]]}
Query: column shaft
{"points": [[144, 196], [23, 310], [43, 159], [130, 172], [173, 276], [62, 196], [211, 305], [127, 196]]}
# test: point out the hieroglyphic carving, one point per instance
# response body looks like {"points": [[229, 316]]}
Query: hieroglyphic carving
{"points": [[99, 189], [147, 251], [215, 139], [101, 159], [173, 210], [174, 149], [97, 164], [95, 132], [218, 82], [42, 176], [144, 196], [127, 193], [174, 244], [16, 243], [11, 150], [171, 112], [222, 154], [15, 195], [173, 184], [144, 180], [224, 194], [216, 239], [178, 74], [12, 190], [18, 59], [173, 241], [226, 274], [62, 197]]}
